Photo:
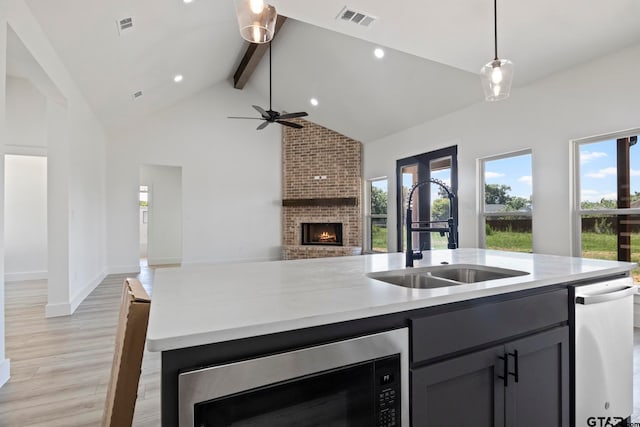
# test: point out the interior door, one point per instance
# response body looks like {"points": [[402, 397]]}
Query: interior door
{"points": [[429, 202]]}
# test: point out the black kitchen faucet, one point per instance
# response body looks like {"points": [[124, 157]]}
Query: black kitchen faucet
{"points": [[430, 226]]}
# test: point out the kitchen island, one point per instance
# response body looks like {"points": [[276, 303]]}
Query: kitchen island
{"points": [[207, 315]]}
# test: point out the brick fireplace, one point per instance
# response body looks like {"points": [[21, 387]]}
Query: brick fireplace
{"points": [[322, 186]]}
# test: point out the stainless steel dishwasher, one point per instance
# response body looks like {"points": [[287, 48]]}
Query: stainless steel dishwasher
{"points": [[603, 344]]}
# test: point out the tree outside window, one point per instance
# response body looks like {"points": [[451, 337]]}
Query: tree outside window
{"points": [[377, 218], [608, 199], [507, 206]]}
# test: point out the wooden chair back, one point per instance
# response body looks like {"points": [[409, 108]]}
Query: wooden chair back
{"points": [[127, 359]]}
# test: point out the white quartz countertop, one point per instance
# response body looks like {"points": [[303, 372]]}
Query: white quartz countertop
{"points": [[208, 303]]}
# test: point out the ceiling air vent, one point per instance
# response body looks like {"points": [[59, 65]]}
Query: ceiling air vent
{"points": [[136, 95], [357, 17], [124, 24]]}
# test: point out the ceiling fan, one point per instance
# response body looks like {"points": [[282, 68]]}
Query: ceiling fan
{"points": [[271, 116]]}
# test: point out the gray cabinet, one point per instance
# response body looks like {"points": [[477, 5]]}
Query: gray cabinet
{"points": [[471, 391], [502, 363], [464, 391], [540, 397]]}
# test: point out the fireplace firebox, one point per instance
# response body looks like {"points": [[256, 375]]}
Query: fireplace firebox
{"points": [[324, 234]]}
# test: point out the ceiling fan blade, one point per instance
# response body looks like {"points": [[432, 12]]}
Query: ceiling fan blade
{"points": [[263, 125], [261, 111], [290, 124], [293, 115], [249, 118]]}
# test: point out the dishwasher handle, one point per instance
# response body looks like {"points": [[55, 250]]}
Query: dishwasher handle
{"points": [[612, 296]]}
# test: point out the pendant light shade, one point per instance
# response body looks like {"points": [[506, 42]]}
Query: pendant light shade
{"points": [[256, 20], [496, 76]]}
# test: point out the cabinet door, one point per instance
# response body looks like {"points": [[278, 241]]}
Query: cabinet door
{"points": [[462, 392], [540, 397]]}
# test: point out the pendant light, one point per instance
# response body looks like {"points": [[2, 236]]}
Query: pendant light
{"points": [[256, 19], [496, 75]]}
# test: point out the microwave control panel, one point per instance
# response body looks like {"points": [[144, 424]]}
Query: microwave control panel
{"points": [[387, 374]]}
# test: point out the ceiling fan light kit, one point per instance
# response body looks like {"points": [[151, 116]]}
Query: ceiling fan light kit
{"points": [[496, 76], [256, 20]]}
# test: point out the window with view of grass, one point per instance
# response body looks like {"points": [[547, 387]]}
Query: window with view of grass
{"points": [[506, 202], [607, 198], [377, 218]]}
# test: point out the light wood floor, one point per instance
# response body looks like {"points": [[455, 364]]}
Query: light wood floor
{"points": [[60, 366]]}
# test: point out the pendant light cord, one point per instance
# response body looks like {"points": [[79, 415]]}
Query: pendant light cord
{"points": [[270, 76], [495, 28]]}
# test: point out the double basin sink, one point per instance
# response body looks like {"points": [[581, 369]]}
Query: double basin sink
{"points": [[444, 275]]}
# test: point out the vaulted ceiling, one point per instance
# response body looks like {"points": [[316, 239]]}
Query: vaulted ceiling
{"points": [[434, 51]]}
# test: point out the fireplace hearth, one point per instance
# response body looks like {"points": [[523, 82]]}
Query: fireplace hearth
{"points": [[322, 234]]}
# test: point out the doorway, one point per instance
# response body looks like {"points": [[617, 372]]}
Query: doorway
{"points": [[144, 219], [160, 215], [430, 203], [35, 133], [25, 218]]}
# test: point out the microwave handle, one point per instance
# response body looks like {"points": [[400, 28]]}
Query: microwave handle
{"points": [[612, 296]]}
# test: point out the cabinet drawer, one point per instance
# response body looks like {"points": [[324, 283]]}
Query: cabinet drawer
{"points": [[445, 333]]}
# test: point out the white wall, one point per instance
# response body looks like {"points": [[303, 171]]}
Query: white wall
{"points": [[164, 238], [144, 227], [25, 219], [26, 181], [596, 98], [4, 361], [26, 116], [231, 179], [76, 169]]}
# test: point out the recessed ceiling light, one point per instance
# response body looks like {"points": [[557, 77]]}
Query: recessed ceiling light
{"points": [[314, 102], [379, 53], [187, 1], [178, 78]]}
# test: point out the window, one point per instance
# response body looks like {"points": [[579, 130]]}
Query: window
{"points": [[377, 218], [430, 203], [505, 220], [607, 199], [144, 203], [144, 195]]}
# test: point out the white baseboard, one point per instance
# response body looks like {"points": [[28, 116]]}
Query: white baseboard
{"points": [[57, 310], [163, 261], [124, 269], [28, 275], [84, 292], [4, 372], [66, 309]]}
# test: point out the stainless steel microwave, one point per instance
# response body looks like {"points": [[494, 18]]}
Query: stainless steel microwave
{"points": [[359, 382]]}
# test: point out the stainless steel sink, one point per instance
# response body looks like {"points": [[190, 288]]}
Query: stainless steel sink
{"points": [[413, 280], [466, 273], [444, 275]]}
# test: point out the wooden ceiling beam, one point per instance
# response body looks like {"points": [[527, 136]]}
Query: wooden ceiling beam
{"points": [[252, 58]]}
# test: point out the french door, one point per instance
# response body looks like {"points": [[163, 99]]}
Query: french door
{"points": [[429, 202]]}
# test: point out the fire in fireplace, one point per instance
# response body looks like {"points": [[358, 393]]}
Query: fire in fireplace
{"points": [[329, 234]]}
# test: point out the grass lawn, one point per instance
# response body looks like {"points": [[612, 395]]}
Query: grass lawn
{"points": [[594, 245], [509, 241], [378, 238]]}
